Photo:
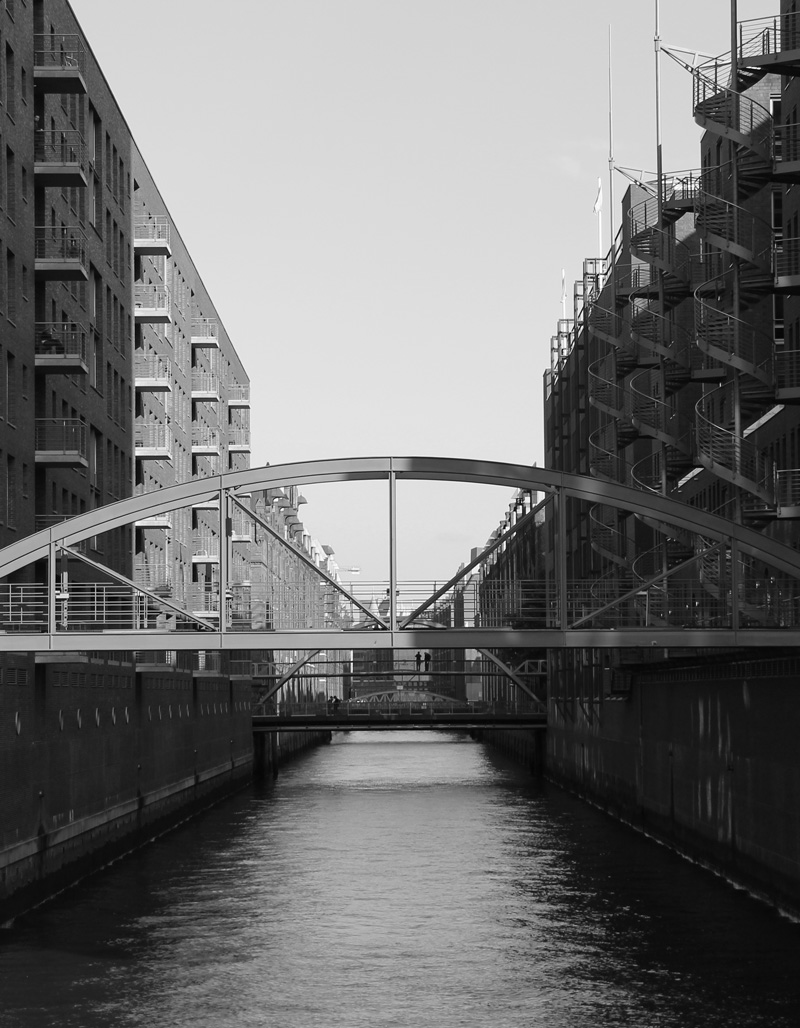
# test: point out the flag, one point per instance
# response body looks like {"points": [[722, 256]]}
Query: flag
{"points": [[598, 204]]}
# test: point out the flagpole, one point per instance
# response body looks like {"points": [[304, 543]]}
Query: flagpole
{"points": [[610, 150]]}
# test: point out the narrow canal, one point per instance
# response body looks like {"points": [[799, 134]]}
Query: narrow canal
{"points": [[401, 880]]}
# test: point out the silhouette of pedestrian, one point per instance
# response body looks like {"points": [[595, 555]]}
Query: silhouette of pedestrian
{"points": [[418, 659], [427, 661]]}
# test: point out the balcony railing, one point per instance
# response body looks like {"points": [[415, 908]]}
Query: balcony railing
{"points": [[239, 395], [60, 346], [768, 37], [152, 236], [205, 438], [152, 303], [61, 253], [239, 438], [59, 63], [153, 441], [59, 158], [205, 332], [205, 385], [61, 441], [153, 372]]}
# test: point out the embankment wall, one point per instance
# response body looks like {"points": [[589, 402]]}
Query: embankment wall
{"points": [[97, 758], [706, 761]]}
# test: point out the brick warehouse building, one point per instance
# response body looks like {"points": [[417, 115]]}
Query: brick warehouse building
{"points": [[117, 376], [678, 375]]}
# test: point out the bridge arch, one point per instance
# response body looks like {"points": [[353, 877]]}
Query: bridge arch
{"points": [[561, 486]]}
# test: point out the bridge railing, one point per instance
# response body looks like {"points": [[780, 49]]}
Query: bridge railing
{"points": [[761, 596], [360, 708]]}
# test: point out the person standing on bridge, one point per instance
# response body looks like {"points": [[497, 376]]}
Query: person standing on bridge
{"points": [[427, 661], [418, 659]]}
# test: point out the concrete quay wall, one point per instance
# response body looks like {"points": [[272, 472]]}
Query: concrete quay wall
{"points": [[95, 761], [706, 761]]}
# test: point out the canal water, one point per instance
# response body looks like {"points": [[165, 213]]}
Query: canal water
{"points": [[401, 880]]}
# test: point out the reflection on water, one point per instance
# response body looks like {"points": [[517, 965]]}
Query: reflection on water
{"points": [[407, 879]]}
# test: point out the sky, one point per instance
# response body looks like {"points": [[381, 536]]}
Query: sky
{"points": [[380, 196]]}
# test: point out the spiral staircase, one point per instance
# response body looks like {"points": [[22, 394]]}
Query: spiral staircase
{"points": [[741, 276]]}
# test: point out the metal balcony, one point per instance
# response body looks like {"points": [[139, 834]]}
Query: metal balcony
{"points": [[151, 236], [59, 63], [153, 442], [771, 43], [205, 332], [152, 305], [61, 442], [206, 442], [162, 521], [60, 254], [239, 440], [205, 387], [153, 373], [60, 348], [59, 158], [239, 395], [206, 549]]}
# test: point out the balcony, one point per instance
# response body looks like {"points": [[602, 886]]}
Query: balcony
{"points": [[157, 521], [61, 442], [59, 63], [153, 373], [59, 159], [151, 236], [239, 395], [205, 332], [60, 348], [60, 254], [153, 442], [206, 549], [205, 387], [152, 305], [239, 440], [206, 441]]}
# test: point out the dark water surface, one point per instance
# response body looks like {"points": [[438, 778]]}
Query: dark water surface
{"points": [[401, 880]]}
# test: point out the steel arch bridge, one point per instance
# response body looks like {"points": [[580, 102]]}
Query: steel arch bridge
{"points": [[757, 605]]}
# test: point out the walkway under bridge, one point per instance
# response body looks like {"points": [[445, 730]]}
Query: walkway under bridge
{"points": [[733, 587]]}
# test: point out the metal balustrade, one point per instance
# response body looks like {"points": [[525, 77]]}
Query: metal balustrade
{"points": [[152, 234], [204, 382], [59, 51], [67, 436], [59, 151], [735, 458], [238, 395], [734, 341], [148, 298], [60, 252], [735, 228], [205, 332], [152, 369], [740, 116], [768, 36], [152, 437], [63, 340], [787, 369]]}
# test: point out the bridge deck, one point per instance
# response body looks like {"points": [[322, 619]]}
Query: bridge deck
{"points": [[405, 721]]}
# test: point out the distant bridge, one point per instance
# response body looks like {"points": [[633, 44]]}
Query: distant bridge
{"points": [[748, 593], [398, 710]]}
